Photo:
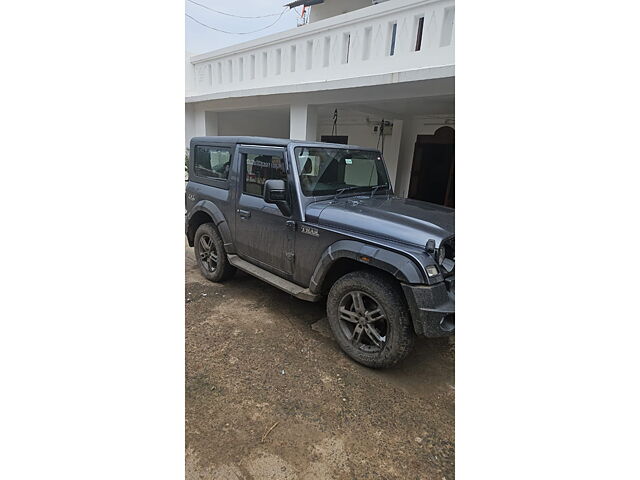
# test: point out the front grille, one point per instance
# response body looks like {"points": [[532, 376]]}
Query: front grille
{"points": [[449, 247]]}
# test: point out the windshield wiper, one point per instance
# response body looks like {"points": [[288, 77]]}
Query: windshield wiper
{"points": [[340, 191], [374, 188]]}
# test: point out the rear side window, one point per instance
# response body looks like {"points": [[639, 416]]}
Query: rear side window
{"points": [[259, 169], [212, 162]]}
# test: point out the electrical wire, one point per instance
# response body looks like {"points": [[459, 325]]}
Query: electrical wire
{"points": [[334, 129], [231, 14], [381, 137], [236, 33]]}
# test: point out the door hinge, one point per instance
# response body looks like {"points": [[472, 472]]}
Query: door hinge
{"points": [[291, 225], [290, 256]]}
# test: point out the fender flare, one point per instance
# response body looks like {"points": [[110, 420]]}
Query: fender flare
{"points": [[219, 220], [400, 266]]}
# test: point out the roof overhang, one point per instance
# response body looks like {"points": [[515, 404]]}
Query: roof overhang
{"points": [[306, 3]]}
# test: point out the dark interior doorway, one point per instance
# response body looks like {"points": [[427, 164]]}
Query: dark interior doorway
{"points": [[433, 170]]}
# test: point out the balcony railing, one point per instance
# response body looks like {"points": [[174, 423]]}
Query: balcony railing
{"points": [[395, 36]]}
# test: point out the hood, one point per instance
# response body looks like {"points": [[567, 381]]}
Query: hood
{"points": [[394, 218]]}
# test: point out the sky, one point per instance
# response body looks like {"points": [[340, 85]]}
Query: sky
{"points": [[200, 39]]}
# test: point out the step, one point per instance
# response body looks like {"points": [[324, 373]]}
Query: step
{"points": [[273, 279]]}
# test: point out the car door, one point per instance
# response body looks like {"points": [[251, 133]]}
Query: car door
{"points": [[263, 234]]}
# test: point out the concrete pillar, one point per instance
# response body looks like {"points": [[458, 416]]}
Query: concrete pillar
{"points": [[202, 123], [199, 122], [189, 126], [303, 122]]}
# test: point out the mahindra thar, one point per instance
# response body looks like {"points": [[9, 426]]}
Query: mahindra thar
{"points": [[320, 221]]}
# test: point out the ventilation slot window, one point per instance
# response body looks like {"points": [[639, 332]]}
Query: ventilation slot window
{"points": [[326, 51], [293, 58], [265, 65], [346, 45], [309, 58], [392, 42], [419, 34]]}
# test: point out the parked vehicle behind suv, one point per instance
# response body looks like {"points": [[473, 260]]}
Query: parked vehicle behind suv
{"points": [[320, 221]]}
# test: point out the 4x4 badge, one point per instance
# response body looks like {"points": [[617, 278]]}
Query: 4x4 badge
{"points": [[309, 231]]}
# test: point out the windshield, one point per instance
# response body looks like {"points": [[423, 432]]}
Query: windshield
{"points": [[327, 171]]}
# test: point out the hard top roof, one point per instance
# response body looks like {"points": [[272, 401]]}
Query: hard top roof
{"points": [[274, 142]]}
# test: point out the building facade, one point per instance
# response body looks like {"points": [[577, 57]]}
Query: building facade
{"points": [[367, 72]]}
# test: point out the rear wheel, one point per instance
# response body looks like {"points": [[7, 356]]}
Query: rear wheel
{"points": [[369, 319], [210, 254]]}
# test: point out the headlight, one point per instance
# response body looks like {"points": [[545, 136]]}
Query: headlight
{"points": [[441, 255]]}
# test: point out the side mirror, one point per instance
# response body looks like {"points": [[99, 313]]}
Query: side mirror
{"points": [[275, 191]]}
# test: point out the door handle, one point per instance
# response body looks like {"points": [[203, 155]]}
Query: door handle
{"points": [[244, 213]]}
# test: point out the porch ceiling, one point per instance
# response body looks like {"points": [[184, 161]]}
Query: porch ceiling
{"points": [[398, 108]]}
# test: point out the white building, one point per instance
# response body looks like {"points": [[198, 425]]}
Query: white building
{"points": [[370, 60]]}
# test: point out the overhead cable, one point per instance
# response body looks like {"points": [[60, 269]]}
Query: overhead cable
{"points": [[232, 14], [236, 33]]}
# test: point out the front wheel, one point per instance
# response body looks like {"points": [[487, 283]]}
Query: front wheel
{"points": [[369, 319]]}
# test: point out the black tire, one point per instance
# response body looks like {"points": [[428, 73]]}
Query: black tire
{"points": [[392, 337], [210, 254]]}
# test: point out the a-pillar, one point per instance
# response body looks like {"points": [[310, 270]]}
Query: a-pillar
{"points": [[303, 122]]}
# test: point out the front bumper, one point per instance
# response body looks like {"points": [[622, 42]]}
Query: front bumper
{"points": [[432, 308]]}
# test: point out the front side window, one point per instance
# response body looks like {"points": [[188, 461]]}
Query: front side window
{"points": [[212, 162], [327, 171], [259, 168]]}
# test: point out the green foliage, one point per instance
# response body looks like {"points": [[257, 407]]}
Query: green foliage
{"points": [[186, 164]]}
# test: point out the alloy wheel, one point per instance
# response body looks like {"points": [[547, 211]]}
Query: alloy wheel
{"points": [[363, 321], [208, 253]]}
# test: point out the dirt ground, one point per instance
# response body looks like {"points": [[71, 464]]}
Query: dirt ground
{"points": [[257, 357]]}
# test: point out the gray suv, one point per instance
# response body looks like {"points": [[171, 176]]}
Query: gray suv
{"points": [[320, 220]]}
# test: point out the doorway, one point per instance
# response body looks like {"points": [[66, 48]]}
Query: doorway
{"points": [[433, 169]]}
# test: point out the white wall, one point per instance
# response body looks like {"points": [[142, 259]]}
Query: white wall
{"points": [[189, 79], [262, 123], [343, 51]]}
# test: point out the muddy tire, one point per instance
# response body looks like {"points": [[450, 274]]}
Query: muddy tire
{"points": [[210, 254], [370, 320]]}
